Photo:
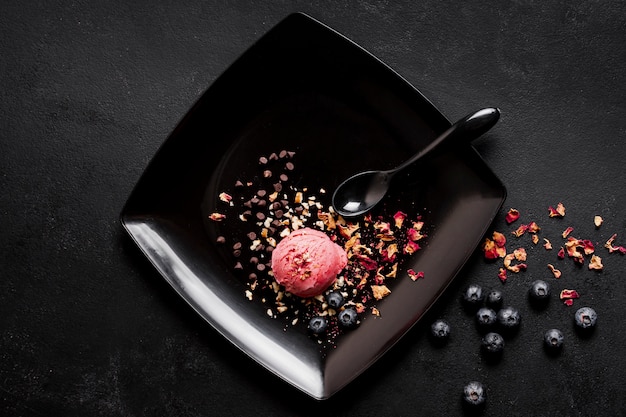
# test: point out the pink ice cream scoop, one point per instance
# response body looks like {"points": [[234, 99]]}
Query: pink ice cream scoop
{"points": [[306, 262]]}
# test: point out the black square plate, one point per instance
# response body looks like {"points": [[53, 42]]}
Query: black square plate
{"points": [[305, 88]]}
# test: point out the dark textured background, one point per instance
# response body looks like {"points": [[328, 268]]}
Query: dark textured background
{"points": [[90, 90]]}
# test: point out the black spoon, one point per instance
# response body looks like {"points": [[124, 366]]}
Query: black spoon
{"points": [[361, 192]]}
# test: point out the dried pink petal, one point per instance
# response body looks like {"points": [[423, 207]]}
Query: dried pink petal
{"points": [[555, 272], [597, 221], [567, 231], [399, 218], [520, 230], [559, 211], [561, 254], [415, 275], [547, 244], [225, 197], [512, 215], [533, 227], [596, 263], [502, 275], [217, 217]]}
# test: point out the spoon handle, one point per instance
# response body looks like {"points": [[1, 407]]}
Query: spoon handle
{"points": [[465, 130]]}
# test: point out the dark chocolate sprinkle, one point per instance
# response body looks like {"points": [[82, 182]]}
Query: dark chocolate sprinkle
{"points": [[237, 245], [251, 235], [283, 153], [278, 214], [284, 177], [289, 166], [263, 160], [262, 203]]}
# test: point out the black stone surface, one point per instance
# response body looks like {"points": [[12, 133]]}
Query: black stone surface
{"points": [[89, 91]]}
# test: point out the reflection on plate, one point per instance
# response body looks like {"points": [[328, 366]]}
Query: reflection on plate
{"points": [[305, 88]]}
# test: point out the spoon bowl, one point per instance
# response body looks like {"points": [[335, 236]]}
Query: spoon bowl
{"points": [[363, 191]]}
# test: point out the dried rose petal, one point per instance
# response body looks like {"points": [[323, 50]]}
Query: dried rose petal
{"points": [[415, 275], [611, 248], [596, 263], [512, 215], [399, 218], [490, 249], [561, 254], [559, 211], [555, 272], [520, 230], [547, 244], [411, 247], [375, 312], [225, 197], [520, 254], [535, 239], [414, 234], [533, 227], [499, 239], [217, 217], [597, 221], [502, 274], [588, 247], [567, 231], [569, 294]]}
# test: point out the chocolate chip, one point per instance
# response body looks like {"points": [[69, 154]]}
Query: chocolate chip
{"points": [[284, 203], [238, 266], [237, 253], [248, 204], [273, 156], [289, 166], [261, 193], [263, 160], [238, 183], [284, 177], [237, 245], [276, 223], [254, 260], [299, 210], [260, 267], [247, 213], [260, 216], [252, 276], [283, 153], [278, 214], [262, 203], [269, 249], [251, 235], [278, 187], [290, 154], [220, 239], [271, 231], [276, 205], [254, 200]]}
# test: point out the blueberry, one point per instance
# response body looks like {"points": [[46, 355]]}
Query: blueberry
{"points": [[485, 319], [492, 344], [440, 331], [553, 341], [473, 297], [474, 394], [347, 318], [335, 299], [539, 293], [318, 325], [509, 319], [494, 299], [585, 320]]}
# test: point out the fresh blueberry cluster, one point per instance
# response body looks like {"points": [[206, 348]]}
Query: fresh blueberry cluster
{"points": [[497, 323]]}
